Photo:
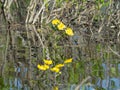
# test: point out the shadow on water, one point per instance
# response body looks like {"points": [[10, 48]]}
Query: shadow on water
{"points": [[95, 65]]}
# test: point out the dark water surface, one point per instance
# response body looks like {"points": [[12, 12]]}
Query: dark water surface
{"points": [[95, 66]]}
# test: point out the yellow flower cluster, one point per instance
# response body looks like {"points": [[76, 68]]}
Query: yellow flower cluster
{"points": [[56, 68], [42, 67], [61, 26], [45, 66]]}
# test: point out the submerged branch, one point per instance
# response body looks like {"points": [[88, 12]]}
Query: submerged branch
{"points": [[116, 53], [5, 55], [78, 86]]}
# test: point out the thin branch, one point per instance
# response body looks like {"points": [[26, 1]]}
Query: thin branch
{"points": [[78, 86], [38, 36], [37, 15], [53, 5], [116, 53]]}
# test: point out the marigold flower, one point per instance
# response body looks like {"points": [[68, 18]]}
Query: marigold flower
{"points": [[41, 67], [61, 26], [55, 69], [55, 22], [46, 66], [68, 60], [59, 65], [48, 62], [69, 32]]}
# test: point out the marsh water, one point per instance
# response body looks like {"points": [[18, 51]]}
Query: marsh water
{"points": [[95, 66]]}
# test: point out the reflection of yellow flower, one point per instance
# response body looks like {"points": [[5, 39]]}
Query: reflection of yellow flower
{"points": [[39, 30], [42, 67], [59, 65], [55, 69], [48, 62], [55, 88], [69, 32], [55, 22], [61, 26], [68, 60]]}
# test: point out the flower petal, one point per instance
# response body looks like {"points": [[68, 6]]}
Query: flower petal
{"points": [[55, 22], [68, 60], [61, 26], [69, 32]]}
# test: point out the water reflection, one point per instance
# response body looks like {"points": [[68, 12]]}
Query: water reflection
{"points": [[22, 48]]}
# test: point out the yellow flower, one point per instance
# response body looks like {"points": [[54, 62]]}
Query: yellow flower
{"points": [[68, 60], [59, 65], [55, 22], [61, 26], [48, 62], [46, 66], [41, 67], [55, 69], [69, 32]]}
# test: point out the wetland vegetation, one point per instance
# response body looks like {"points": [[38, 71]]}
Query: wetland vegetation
{"points": [[59, 45]]}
